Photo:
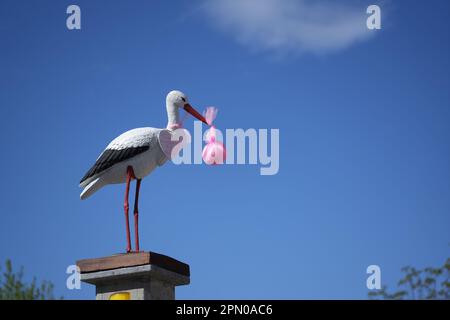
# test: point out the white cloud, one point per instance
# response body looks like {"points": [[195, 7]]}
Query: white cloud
{"points": [[286, 26]]}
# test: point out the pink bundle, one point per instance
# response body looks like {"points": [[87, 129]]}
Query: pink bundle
{"points": [[214, 152]]}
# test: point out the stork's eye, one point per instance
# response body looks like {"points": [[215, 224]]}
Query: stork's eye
{"points": [[184, 100]]}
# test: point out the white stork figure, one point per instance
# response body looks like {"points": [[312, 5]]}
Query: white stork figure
{"points": [[133, 155]]}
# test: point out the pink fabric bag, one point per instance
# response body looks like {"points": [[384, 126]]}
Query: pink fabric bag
{"points": [[214, 152]]}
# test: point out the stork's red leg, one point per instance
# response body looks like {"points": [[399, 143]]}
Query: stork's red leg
{"points": [[136, 215], [126, 206]]}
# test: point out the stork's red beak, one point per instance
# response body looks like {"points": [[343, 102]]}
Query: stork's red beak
{"points": [[194, 112]]}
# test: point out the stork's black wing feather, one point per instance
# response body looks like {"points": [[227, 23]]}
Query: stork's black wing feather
{"points": [[110, 157]]}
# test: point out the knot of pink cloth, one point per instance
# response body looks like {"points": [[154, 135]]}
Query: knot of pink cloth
{"points": [[175, 126]]}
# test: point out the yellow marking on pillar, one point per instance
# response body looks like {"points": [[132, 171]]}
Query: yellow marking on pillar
{"points": [[120, 296]]}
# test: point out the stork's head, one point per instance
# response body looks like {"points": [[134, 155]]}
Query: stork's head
{"points": [[177, 99]]}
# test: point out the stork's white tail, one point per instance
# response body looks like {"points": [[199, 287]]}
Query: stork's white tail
{"points": [[91, 188]]}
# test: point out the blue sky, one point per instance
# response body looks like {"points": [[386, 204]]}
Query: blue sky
{"points": [[364, 141]]}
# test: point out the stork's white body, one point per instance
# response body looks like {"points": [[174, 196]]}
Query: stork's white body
{"points": [[143, 164]]}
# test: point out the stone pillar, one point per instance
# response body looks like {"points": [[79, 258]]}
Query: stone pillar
{"points": [[139, 276]]}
